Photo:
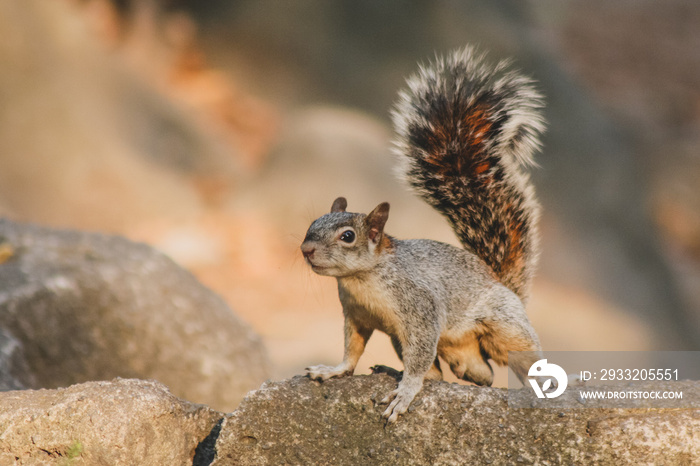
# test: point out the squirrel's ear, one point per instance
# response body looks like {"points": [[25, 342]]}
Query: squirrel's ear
{"points": [[339, 205], [376, 221]]}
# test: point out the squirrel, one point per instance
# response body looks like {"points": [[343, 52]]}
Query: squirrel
{"points": [[465, 133]]}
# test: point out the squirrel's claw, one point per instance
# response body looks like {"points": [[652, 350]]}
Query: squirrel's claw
{"points": [[398, 405], [399, 401], [387, 399]]}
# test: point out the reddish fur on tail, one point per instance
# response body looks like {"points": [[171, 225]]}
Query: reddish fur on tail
{"points": [[466, 132]]}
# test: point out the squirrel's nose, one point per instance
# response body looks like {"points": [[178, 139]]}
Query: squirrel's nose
{"points": [[307, 250]]}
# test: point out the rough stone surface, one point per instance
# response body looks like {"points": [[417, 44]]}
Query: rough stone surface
{"points": [[338, 422], [94, 307], [122, 422]]}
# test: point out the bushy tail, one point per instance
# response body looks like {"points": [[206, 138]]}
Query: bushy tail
{"points": [[466, 132]]}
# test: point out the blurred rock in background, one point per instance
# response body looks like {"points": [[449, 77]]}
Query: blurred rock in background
{"points": [[216, 131], [76, 307]]}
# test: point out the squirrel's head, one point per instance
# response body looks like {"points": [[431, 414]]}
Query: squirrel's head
{"points": [[342, 243]]}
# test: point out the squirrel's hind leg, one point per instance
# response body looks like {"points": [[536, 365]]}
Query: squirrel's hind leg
{"points": [[505, 327], [513, 335], [466, 359]]}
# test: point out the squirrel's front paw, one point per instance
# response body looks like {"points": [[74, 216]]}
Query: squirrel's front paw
{"points": [[400, 400], [322, 373]]}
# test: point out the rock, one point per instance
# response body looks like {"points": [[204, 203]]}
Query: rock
{"points": [[94, 307], [122, 422], [12, 362], [338, 422]]}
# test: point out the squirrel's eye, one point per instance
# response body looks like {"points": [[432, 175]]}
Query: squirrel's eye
{"points": [[347, 236]]}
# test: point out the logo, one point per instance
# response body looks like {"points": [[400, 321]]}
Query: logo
{"points": [[541, 369]]}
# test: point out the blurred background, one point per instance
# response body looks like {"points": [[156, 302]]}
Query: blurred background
{"points": [[217, 131]]}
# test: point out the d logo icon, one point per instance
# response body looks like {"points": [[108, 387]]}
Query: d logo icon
{"points": [[541, 369]]}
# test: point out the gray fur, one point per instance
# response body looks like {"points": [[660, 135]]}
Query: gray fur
{"points": [[433, 299]]}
